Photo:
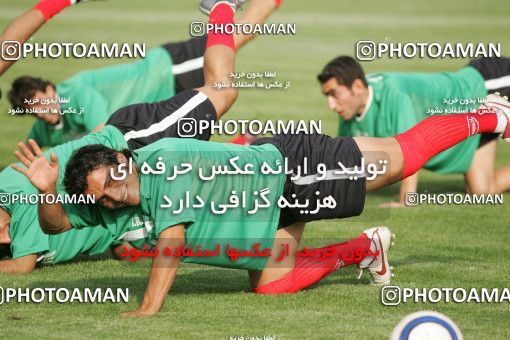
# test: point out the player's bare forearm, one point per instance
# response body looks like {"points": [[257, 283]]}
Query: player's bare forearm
{"points": [[256, 13], [163, 271], [20, 29], [118, 252], [22, 265]]}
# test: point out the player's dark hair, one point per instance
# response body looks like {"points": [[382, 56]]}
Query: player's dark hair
{"points": [[25, 88], [5, 252], [344, 69], [85, 160]]}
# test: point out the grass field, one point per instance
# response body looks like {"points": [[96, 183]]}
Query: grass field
{"points": [[436, 246]]}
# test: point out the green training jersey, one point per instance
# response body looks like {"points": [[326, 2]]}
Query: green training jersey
{"points": [[398, 101], [25, 231], [96, 94], [27, 237], [67, 246]]}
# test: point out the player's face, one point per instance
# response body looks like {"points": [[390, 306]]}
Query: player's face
{"points": [[46, 105], [345, 101], [5, 221], [113, 193]]}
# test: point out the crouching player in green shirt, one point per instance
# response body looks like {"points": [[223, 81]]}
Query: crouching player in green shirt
{"points": [[160, 176], [84, 102], [386, 104]]}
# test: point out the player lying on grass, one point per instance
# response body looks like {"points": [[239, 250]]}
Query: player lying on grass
{"points": [[132, 127], [84, 102], [93, 169], [23, 245], [386, 104]]}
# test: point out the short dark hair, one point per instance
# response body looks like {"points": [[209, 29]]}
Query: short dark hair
{"points": [[344, 69], [85, 160], [25, 88]]}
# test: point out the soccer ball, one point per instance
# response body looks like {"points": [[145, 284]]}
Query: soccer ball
{"points": [[426, 325]]}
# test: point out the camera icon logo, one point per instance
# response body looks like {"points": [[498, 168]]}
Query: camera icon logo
{"points": [[197, 29], [187, 127], [10, 50], [411, 199], [391, 295], [5, 199], [365, 50]]}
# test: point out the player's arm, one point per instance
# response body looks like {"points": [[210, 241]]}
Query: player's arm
{"points": [[410, 184], [99, 127], [162, 275], [21, 28], [22, 265], [44, 176]]}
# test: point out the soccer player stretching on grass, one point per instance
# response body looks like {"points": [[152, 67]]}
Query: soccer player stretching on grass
{"points": [[388, 103], [92, 170], [19, 227], [84, 102]]}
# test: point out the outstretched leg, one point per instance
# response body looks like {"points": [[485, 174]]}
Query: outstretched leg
{"points": [[143, 124], [256, 13], [308, 266]]}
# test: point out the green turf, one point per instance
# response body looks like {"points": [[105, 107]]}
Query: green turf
{"points": [[436, 246]]}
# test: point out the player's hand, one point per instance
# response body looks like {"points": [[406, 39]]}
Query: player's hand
{"points": [[42, 174], [138, 314], [391, 205]]}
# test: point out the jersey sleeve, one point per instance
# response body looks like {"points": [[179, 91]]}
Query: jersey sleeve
{"points": [[27, 236]]}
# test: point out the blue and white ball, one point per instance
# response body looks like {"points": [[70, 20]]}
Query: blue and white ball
{"points": [[426, 325]]}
